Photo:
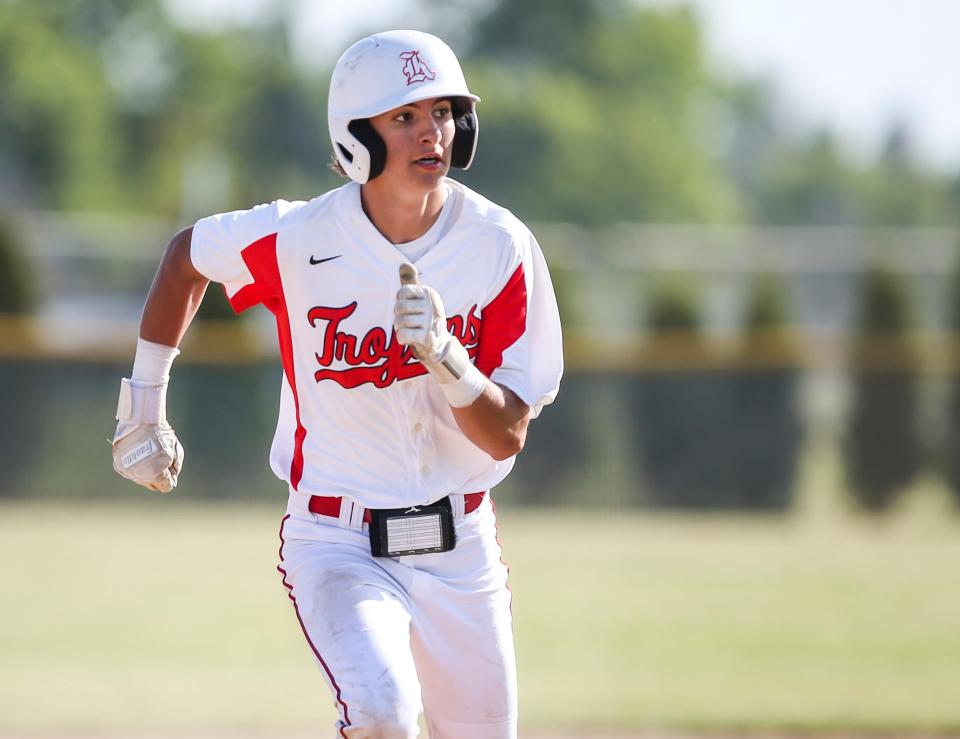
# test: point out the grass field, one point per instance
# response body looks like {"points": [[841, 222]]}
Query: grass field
{"points": [[166, 616]]}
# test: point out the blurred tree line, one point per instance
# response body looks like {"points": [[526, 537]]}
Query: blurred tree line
{"points": [[593, 111], [718, 432]]}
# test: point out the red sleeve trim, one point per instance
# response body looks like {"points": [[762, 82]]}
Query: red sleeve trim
{"points": [[267, 288], [266, 279], [503, 321]]}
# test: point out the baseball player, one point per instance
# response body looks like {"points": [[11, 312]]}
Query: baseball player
{"points": [[418, 334]]}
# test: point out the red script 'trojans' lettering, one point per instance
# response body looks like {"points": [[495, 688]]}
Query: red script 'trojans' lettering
{"points": [[377, 358]]}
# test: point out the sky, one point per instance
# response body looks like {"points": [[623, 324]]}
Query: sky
{"points": [[854, 66]]}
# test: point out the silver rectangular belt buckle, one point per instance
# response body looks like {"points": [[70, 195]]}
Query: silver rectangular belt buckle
{"points": [[399, 532]]}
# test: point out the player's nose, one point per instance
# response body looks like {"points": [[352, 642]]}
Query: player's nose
{"points": [[431, 131]]}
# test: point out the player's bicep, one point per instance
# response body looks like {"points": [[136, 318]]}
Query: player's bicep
{"points": [[181, 260]]}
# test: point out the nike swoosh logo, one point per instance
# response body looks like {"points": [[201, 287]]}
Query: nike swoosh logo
{"points": [[325, 259]]}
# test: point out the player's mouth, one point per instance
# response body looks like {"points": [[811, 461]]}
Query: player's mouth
{"points": [[431, 162]]}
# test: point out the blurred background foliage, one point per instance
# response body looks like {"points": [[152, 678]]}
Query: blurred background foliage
{"points": [[109, 105], [883, 452], [17, 285]]}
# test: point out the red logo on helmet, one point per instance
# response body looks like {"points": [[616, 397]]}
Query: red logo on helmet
{"points": [[415, 68]]}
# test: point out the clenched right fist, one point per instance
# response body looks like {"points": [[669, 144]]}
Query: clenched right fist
{"points": [[145, 447]]}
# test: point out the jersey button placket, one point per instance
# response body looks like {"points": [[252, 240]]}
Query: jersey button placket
{"points": [[421, 439], [409, 400], [426, 453]]}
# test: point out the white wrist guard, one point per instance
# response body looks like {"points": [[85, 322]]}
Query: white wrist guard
{"points": [[461, 382], [152, 362]]}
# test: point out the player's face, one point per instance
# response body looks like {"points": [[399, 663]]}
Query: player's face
{"points": [[418, 137]]}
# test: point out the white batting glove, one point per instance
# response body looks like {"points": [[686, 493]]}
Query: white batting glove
{"points": [[145, 447], [420, 322]]}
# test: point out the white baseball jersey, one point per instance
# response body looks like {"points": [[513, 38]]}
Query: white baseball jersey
{"points": [[359, 415]]}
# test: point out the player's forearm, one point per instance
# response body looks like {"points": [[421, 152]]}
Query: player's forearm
{"points": [[175, 295], [496, 421]]}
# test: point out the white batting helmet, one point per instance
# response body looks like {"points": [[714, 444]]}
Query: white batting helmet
{"points": [[383, 72]]}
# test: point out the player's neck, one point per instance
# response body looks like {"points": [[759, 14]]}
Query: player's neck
{"points": [[401, 215]]}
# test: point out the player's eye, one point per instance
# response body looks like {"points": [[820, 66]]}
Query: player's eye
{"points": [[403, 117], [441, 112]]}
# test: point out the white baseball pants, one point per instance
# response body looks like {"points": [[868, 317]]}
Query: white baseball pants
{"points": [[394, 636]]}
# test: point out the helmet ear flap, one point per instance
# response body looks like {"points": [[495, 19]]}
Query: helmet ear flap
{"points": [[363, 131], [465, 138], [461, 154]]}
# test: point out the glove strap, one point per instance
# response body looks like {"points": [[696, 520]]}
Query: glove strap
{"points": [[142, 403]]}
